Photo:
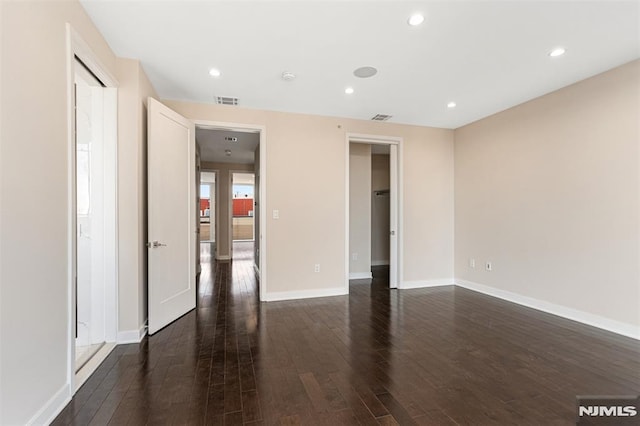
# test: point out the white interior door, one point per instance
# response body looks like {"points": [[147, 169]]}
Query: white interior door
{"points": [[171, 215], [393, 216]]}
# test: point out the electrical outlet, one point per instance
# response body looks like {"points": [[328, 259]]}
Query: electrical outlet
{"points": [[472, 263], [276, 214], [488, 266], [354, 256], [316, 268]]}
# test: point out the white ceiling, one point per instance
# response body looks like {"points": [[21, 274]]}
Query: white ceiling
{"points": [[213, 146], [484, 55]]}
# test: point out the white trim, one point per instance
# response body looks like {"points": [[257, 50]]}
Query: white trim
{"points": [[304, 294], [52, 407], [400, 211], [71, 206], [347, 184], [111, 218], [132, 336], [263, 190], [380, 262], [223, 258], [373, 139], [394, 215], [426, 283], [360, 275], [554, 309], [83, 51], [92, 365]]}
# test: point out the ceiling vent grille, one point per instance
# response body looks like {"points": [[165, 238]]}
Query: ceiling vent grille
{"points": [[381, 117], [226, 100]]}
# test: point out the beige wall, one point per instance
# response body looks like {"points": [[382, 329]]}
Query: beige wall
{"points": [[548, 192], [317, 160], [359, 210], [380, 208], [34, 263], [223, 199], [133, 91]]}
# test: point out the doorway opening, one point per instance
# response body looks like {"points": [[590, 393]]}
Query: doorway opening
{"points": [[236, 153], [92, 96], [380, 213], [243, 205], [90, 308], [207, 218], [208, 208], [373, 206]]}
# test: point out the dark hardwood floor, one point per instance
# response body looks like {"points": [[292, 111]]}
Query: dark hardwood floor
{"points": [[435, 356]]}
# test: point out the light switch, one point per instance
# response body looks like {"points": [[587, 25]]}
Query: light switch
{"points": [[276, 214]]}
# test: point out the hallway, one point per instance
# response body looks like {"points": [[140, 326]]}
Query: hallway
{"points": [[434, 356]]}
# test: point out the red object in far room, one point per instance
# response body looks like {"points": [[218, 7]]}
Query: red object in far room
{"points": [[204, 205], [242, 206]]}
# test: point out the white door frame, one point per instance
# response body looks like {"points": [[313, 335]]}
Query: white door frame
{"points": [[78, 48], [262, 238], [395, 174]]}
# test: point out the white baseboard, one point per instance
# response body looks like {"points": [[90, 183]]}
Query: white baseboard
{"points": [[92, 365], [426, 283], [559, 310], [380, 263], [132, 336], [304, 294], [360, 275], [223, 258], [52, 407]]}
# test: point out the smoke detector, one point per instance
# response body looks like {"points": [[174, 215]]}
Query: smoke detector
{"points": [[288, 76]]}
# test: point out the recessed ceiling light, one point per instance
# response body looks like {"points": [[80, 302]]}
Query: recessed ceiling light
{"points": [[415, 19], [558, 51], [348, 90], [365, 72], [213, 72], [451, 105]]}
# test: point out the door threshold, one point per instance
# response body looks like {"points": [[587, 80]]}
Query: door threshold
{"points": [[92, 365]]}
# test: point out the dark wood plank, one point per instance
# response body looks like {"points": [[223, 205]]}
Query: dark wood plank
{"points": [[434, 356]]}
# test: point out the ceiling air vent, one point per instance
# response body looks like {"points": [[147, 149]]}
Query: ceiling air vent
{"points": [[226, 100], [381, 117]]}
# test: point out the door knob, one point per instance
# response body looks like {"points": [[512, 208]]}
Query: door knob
{"points": [[156, 244]]}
